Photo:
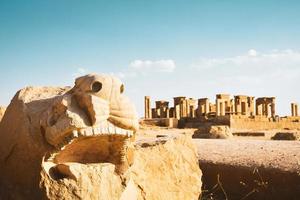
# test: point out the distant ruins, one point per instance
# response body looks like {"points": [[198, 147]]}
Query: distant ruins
{"points": [[240, 112]]}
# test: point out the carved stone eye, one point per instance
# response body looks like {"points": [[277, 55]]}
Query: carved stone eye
{"points": [[122, 89], [96, 86]]}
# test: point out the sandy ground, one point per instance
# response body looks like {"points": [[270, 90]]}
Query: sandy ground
{"points": [[244, 151], [243, 167], [282, 155]]}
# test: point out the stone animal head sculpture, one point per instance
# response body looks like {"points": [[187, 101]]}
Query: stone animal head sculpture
{"points": [[93, 122]]}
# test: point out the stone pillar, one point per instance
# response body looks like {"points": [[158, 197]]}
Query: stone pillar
{"points": [[161, 107], [148, 114], [266, 109], [259, 109], [183, 108], [153, 113], [220, 107], [192, 111], [238, 106], [294, 109], [178, 106], [203, 106], [241, 105], [218, 110], [244, 106], [167, 113], [222, 104], [162, 112], [177, 111], [171, 112], [232, 106], [251, 105], [273, 111]]}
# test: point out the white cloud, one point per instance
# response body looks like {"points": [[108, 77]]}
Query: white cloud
{"points": [[253, 59], [147, 67], [154, 66], [79, 72], [252, 52]]}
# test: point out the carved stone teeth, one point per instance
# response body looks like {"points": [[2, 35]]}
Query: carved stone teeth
{"points": [[104, 130], [111, 129], [96, 130], [89, 131], [81, 132], [128, 133], [122, 131], [75, 133], [118, 131]]}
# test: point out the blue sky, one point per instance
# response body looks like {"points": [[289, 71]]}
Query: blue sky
{"points": [[158, 48]]}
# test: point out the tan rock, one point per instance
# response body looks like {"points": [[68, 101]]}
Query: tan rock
{"points": [[286, 136], [213, 132], [2, 111], [22, 145], [220, 132], [165, 168], [80, 141], [93, 119]]}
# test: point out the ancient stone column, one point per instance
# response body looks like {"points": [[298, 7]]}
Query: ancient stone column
{"points": [[266, 109], [171, 112], [203, 106], [258, 108], [148, 114], [153, 113], [177, 111], [294, 109], [178, 106], [244, 106], [232, 106], [167, 113], [273, 111], [183, 108], [222, 104], [251, 105], [238, 106], [222, 108], [218, 110]]}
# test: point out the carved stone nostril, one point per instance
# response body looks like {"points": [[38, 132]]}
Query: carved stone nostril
{"points": [[96, 86], [122, 89]]}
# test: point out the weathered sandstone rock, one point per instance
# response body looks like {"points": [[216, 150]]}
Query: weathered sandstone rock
{"points": [[213, 132], [286, 136], [2, 111], [78, 143], [22, 144], [164, 168], [220, 132]]}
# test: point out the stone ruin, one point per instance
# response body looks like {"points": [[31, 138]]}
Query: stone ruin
{"points": [[239, 112], [79, 143]]}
